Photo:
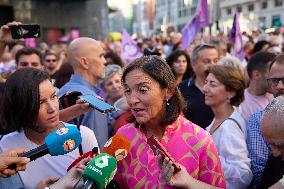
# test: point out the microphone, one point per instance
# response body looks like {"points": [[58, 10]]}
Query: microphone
{"points": [[58, 142], [92, 153], [117, 146], [99, 172]]}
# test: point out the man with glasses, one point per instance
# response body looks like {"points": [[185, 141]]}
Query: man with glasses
{"points": [[50, 62], [257, 146], [196, 111]]}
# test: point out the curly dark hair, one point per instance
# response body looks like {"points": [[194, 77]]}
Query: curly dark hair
{"points": [[20, 104], [157, 68]]}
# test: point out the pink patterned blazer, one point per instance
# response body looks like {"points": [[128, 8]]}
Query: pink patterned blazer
{"points": [[188, 144]]}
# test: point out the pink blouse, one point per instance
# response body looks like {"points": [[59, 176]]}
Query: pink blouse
{"points": [[188, 144]]}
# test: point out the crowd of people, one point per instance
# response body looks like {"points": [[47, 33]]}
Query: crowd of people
{"points": [[219, 117]]}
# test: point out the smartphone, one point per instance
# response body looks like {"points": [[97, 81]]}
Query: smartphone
{"points": [[158, 148], [97, 103], [25, 31], [69, 99]]}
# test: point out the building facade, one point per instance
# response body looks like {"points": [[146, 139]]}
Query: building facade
{"points": [[254, 14], [59, 17]]}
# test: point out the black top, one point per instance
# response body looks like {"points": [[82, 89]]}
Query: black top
{"points": [[196, 110], [273, 172]]}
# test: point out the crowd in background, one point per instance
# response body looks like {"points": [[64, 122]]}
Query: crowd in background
{"points": [[229, 98]]}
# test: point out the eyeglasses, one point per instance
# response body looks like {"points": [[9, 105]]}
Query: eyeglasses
{"points": [[50, 60], [275, 81]]}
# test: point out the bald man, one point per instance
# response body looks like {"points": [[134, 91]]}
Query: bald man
{"points": [[272, 126], [87, 59]]}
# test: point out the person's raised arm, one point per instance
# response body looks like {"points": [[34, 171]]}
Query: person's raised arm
{"points": [[5, 36], [74, 111]]}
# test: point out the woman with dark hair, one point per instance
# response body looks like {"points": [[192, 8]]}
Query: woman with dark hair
{"points": [[156, 105], [30, 106], [63, 75], [112, 58], [260, 46], [224, 91], [179, 61]]}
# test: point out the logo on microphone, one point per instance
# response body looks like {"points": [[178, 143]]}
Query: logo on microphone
{"points": [[69, 145], [62, 131], [120, 154], [102, 161]]}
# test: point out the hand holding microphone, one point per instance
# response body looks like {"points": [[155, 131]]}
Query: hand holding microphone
{"points": [[58, 142], [101, 170], [69, 181], [9, 158]]}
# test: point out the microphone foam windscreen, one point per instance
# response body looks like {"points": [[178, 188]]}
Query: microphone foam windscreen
{"points": [[101, 170], [117, 146], [63, 140]]}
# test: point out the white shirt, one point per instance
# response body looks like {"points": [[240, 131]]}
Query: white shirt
{"points": [[230, 142], [47, 165]]}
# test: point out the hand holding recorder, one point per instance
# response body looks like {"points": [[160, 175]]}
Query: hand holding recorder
{"points": [[159, 149]]}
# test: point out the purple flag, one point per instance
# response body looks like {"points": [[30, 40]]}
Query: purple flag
{"points": [[236, 38], [129, 49], [199, 20]]}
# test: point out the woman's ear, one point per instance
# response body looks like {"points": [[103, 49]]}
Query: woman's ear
{"points": [[231, 94], [170, 91]]}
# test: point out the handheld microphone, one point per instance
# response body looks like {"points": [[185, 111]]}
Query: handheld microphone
{"points": [[58, 142], [117, 146], [99, 171], [92, 153]]}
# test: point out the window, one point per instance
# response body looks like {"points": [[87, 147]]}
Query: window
{"points": [[264, 5], [276, 21], [250, 8], [192, 10], [229, 11], [278, 3], [179, 13]]}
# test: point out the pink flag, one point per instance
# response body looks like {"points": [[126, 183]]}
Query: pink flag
{"points": [[129, 49], [65, 38], [30, 42]]}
